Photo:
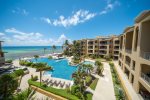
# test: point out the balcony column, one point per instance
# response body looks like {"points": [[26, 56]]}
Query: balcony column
{"points": [[130, 77]]}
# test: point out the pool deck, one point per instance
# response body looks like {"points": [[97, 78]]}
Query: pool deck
{"points": [[32, 71]]}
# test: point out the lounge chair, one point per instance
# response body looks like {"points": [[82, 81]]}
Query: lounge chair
{"points": [[58, 83], [53, 83], [50, 81], [62, 84]]}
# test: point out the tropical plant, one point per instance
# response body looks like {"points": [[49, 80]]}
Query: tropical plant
{"points": [[25, 95], [20, 73], [50, 57], [36, 57], [8, 84], [42, 67], [8, 61], [53, 48], [100, 67]]}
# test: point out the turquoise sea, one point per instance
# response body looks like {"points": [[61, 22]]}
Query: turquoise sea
{"points": [[15, 52]]}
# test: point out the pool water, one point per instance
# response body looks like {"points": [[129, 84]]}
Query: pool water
{"points": [[89, 62], [61, 68]]}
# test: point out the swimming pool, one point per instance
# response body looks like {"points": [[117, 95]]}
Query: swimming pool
{"points": [[61, 68]]}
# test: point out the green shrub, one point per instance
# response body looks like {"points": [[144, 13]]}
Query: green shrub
{"points": [[19, 72], [88, 80], [50, 57], [35, 78], [8, 61], [44, 85]]}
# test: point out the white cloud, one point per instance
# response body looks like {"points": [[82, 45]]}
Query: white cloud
{"points": [[20, 11], [78, 17], [2, 34], [110, 6], [33, 38], [47, 20]]}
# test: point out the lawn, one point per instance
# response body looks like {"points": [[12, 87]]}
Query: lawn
{"points": [[93, 84]]}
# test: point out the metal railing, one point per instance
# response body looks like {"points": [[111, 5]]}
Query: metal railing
{"points": [[128, 50], [128, 63], [145, 55], [146, 78]]}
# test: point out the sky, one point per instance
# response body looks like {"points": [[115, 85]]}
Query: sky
{"points": [[51, 22]]}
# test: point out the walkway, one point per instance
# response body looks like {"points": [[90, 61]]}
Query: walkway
{"points": [[104, 89], [132, 94]]}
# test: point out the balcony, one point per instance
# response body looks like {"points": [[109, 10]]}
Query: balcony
{"points": [[146, 77], [128, 51], [145, 55], [128, 63]]}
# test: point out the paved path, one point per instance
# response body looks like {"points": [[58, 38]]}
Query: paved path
{"points": [[129, 88], [104, 89]]}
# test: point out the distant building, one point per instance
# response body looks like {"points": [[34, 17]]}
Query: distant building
{"points": [[102, 46], [134, 56], [2, 58]]}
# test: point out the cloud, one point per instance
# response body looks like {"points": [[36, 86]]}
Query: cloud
{"points": [[2, 34], [78, 17], [47, 20], [110, 6], [20, 11], [20, 38]]}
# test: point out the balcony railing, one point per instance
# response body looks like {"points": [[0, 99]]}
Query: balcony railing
{"points": [[145, 55], [128, 50], [146, 78], [128, 63]]}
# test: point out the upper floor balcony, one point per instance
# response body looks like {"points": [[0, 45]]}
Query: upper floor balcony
{"points": [[128, 51], [145, 55], [145, 40]]}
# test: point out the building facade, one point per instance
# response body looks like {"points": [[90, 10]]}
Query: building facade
{"points": [[2, 58], [102, 46], [134, 56]]}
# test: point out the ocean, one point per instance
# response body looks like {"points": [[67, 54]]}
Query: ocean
{"points": [[15, 52]]}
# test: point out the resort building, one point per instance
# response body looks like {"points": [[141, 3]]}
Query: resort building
{"points": [[2, 59], [102, 46], [134, 56]]}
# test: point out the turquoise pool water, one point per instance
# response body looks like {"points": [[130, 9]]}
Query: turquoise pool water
{"points": [[61, 68]]}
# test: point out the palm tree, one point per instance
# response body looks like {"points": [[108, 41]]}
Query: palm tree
{"points": [[8, 85], [100, 67], [89, 68], [36, 57], [53, 47], [42, 67]]}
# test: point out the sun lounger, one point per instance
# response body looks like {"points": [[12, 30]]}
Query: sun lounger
{"points": [[58, 83], [49, 82], [53, 83], [62, 84]]}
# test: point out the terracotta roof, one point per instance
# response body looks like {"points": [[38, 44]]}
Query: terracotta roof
{"points": [[142, 15]]}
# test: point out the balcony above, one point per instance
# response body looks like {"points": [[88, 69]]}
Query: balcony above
{"points": [[146, 77], [128, 51], [145, 55]]}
